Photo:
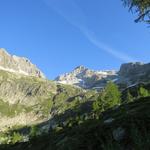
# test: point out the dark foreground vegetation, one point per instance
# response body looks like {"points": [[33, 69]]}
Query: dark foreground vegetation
{"points": [[124, 128]]}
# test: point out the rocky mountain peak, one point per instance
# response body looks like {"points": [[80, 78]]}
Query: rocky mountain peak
{"points": [[85, 78], [19, 65], [80, 68], [3, 51]]}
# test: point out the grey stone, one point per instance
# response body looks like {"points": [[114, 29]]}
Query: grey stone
{"points": [[118, 134], [110, 120]]}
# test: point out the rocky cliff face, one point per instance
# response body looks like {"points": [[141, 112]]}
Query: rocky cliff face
{"points": [[19, 65], [133, 73], [130, 69], [86, 78]]}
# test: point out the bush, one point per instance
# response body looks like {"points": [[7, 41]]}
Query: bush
{"points": [[16, 137], [129, 97], [34, 131], [143, 92]]}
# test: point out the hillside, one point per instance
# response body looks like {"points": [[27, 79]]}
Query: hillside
{"points": [[124, 128], [28, 100]]}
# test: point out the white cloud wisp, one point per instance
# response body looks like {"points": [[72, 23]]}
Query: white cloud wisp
{"points": [[73, 14]]}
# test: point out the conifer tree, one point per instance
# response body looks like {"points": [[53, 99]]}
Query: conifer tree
{"points": [[129, 97], [110, 97], [141, 7]]}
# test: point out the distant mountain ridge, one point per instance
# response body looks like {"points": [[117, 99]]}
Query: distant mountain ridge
{"points": [[128, 74], [86, 78], [19, 65]]}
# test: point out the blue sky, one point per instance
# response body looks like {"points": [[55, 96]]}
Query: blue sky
{"points": [[58, 35]]}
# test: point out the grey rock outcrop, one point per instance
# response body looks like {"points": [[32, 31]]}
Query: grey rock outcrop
{"points": [[19, 65], [133, 73], [119, 134], [18, 89], [137, 68]]}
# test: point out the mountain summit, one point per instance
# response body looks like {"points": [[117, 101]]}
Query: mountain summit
{"points": [[86, 78], [19, 65]]}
